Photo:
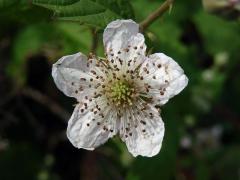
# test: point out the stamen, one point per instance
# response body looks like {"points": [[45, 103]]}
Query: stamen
{"points": [[120, 92]]}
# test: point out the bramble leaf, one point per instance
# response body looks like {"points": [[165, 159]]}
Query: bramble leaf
{"points": [[96, 13]]}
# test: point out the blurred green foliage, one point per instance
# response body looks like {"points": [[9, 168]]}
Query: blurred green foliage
{"points": [[202, 123]]}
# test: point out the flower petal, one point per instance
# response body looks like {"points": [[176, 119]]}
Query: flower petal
{"points": [[118, 32], [72, 75], [143, 131], [124, 46], [162, 78], [89, 127]]}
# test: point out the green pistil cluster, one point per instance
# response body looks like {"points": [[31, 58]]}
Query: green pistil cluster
{"points": [[121, 93]]}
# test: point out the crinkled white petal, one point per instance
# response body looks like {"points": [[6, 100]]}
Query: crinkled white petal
{"points": [[118, 32], [71, 75], [67, 70], [142, 131], [124, 46], [165, 77], [88, 128]]}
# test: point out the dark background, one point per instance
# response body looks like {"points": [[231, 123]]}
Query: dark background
{"points": [[202, 123]]}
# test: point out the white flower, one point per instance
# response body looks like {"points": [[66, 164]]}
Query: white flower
{"points": [[117, 95]]}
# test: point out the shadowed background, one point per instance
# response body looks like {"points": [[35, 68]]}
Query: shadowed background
{"points": [[202, 123]]}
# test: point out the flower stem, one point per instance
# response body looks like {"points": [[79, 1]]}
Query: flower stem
{"points": [[156, 14], [94, 41]]}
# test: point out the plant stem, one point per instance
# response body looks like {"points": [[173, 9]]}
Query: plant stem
{"points": [[47, 102], [94, 41], [156, 14]]}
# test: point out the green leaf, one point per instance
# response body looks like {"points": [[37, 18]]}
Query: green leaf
{"points": [[218, 35], [6, 3], [96, 13], [55, 2]]}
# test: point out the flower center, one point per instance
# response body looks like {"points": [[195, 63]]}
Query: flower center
{"points": [[121, 93]]}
